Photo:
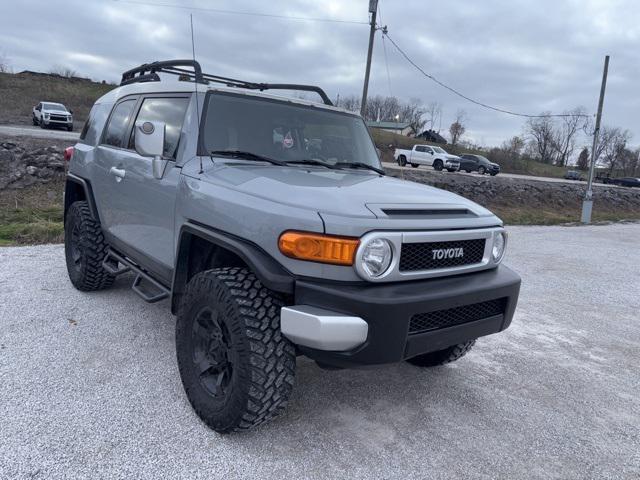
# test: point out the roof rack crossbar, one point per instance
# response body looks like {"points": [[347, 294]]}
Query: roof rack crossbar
{"points": [[148, 72]]}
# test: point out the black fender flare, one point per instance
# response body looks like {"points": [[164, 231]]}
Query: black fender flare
{"points": [[88, 195], [271, 273]]}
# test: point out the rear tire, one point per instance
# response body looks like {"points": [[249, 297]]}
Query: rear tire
{"points": [[236, 367], [438, 165], [85, 250], [442, 357], [402, 160]]}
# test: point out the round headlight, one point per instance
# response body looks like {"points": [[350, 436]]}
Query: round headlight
{"points": [[376, 257], [499, 244]]}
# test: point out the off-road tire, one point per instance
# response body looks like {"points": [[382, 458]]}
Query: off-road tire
{"points": [[441, 357], [415, 165], [402, 160], [481, 170], [438, 165], [85, 249], [262, 360]]}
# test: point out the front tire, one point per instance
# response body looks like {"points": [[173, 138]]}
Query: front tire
{"points": [[236, 367], [482, 170], [34, 120], [402, 160], [438, 165], [442, 357], [42, 125], [85, 250]]}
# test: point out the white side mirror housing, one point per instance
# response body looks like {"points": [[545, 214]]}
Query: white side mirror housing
{"points": [[149, 140]]}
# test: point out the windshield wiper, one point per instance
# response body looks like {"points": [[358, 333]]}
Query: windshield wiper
{"points": [[361, 165], [311, 161], [247, 156]]}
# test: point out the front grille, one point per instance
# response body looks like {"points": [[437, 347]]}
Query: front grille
{"points": [[425, 322], [59, 118], [420, 256]]}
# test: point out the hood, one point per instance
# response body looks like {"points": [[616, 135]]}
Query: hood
{"points": [[55, 111], [449, 156], [345, 193]]}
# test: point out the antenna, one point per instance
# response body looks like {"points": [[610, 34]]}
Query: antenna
{"points": [[195, 83]]}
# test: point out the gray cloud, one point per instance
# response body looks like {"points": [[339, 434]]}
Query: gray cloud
{"points": [[520, 55]]}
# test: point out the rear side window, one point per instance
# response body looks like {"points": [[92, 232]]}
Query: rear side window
{"points": [[421, 149], [171, 111], [95, 123], [118, 123]]}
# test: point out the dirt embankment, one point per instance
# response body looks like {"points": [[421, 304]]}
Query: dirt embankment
{"points": [[522, 201]]}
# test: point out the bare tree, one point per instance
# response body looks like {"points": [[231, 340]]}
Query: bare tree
{"points": [[5, 66], [564, 137], [541, 134], [457, 128], [514, 146], [433, 116], [615, 146], [63, 71], [583, 159]]}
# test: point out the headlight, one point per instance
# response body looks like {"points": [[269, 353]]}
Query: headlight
{"points": [[46, 115], [376, 257], [499, 245]]}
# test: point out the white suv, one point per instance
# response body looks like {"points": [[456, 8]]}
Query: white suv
{"points": [[49, 114]]}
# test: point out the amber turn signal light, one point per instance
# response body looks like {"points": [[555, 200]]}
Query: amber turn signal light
{"points": [[316, 247]]}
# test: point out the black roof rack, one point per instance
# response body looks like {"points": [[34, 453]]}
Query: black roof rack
{"points": [[148, 72]]}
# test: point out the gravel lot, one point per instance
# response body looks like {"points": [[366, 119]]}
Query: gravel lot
{"points": [[90, 388]]}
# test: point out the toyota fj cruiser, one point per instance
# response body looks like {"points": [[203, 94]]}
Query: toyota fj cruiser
{"points": [[269, 225]]}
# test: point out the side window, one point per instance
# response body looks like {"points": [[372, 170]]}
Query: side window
{"points": [[171, 111], [421, 149], [428, 150], [118, 123], [95, 123]]}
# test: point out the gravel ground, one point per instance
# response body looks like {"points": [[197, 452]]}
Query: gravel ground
{"points": [[90, 388]]}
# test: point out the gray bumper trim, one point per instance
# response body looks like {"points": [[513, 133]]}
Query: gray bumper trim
{"points": [[322, 329]]}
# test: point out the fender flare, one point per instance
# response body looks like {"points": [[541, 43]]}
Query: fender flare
{"points": [[271, 273], [88, 194]]}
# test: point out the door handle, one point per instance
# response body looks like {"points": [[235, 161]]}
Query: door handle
{"points": [[118, 173]]}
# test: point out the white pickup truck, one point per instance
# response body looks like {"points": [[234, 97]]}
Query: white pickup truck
{"points": [[427, 155]]}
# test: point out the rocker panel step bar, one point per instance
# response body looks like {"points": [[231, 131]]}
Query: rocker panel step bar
{"points": [[148, 288]]}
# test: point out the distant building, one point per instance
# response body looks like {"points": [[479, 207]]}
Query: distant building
{"points": [[401, 128], [432, 136]]}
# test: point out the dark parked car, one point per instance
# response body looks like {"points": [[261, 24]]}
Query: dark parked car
{"points": [[478, 163], [603, 178], [573, 175], [626, 181]]}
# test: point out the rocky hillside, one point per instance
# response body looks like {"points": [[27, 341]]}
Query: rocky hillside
{"points": [[22, 166]]}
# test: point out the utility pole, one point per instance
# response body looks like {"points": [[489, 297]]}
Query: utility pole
{"points": [[587, 203], [373, 8]]}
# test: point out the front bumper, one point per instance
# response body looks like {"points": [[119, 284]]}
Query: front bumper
{"points": [[452, 165], [388, 310], [52, 122]]}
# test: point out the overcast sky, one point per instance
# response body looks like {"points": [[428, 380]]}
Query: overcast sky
{"points": [[522, 55]]}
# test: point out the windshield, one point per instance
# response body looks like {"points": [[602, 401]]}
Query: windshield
{"points": [[439, 150], [284, 131], [54, 106]]}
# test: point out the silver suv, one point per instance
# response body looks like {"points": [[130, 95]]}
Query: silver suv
{"points": [[272, 230]]}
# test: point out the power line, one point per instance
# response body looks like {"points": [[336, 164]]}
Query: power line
{"points": [[238, 12], [453, 90]]}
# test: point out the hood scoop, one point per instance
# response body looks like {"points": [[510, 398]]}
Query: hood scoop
{"points": [[421, 211]]}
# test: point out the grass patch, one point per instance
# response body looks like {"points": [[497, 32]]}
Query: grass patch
{"points": [[26, 226], [550, 216]]}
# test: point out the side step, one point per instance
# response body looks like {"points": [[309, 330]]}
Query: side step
{"points": [[144, 285]]}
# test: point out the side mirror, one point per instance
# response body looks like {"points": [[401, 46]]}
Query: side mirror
{"points": [[149, 140], [71, 112]]}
